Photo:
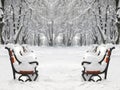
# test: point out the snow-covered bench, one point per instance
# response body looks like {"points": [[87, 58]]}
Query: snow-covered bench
{"points": [[27, 69], [96, 68]]}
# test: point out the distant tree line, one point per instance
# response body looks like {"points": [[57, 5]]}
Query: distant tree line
{"points": [[59, 23]]}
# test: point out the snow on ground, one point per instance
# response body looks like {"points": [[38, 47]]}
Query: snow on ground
{"points": [[59, 69]]}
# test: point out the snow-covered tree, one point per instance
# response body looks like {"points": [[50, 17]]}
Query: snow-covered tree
{"points": [[1, 17], [60, 22]]}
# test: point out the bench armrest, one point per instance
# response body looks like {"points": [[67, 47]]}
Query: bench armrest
{"points": [[85, 62], [34, 62]]}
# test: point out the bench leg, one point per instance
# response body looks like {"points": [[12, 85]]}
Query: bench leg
{"points": [[85, 76], [36, 73], [28, 78], [91, 78]]}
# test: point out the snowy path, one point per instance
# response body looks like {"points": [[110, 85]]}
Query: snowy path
{"points": [[59, 69]]}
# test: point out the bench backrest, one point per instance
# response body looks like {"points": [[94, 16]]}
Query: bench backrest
{"points": [[13, 58], [107, 58]]}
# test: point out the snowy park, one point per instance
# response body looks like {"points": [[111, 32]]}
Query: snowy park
{"points": [[59, 44], [59, 69]]}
